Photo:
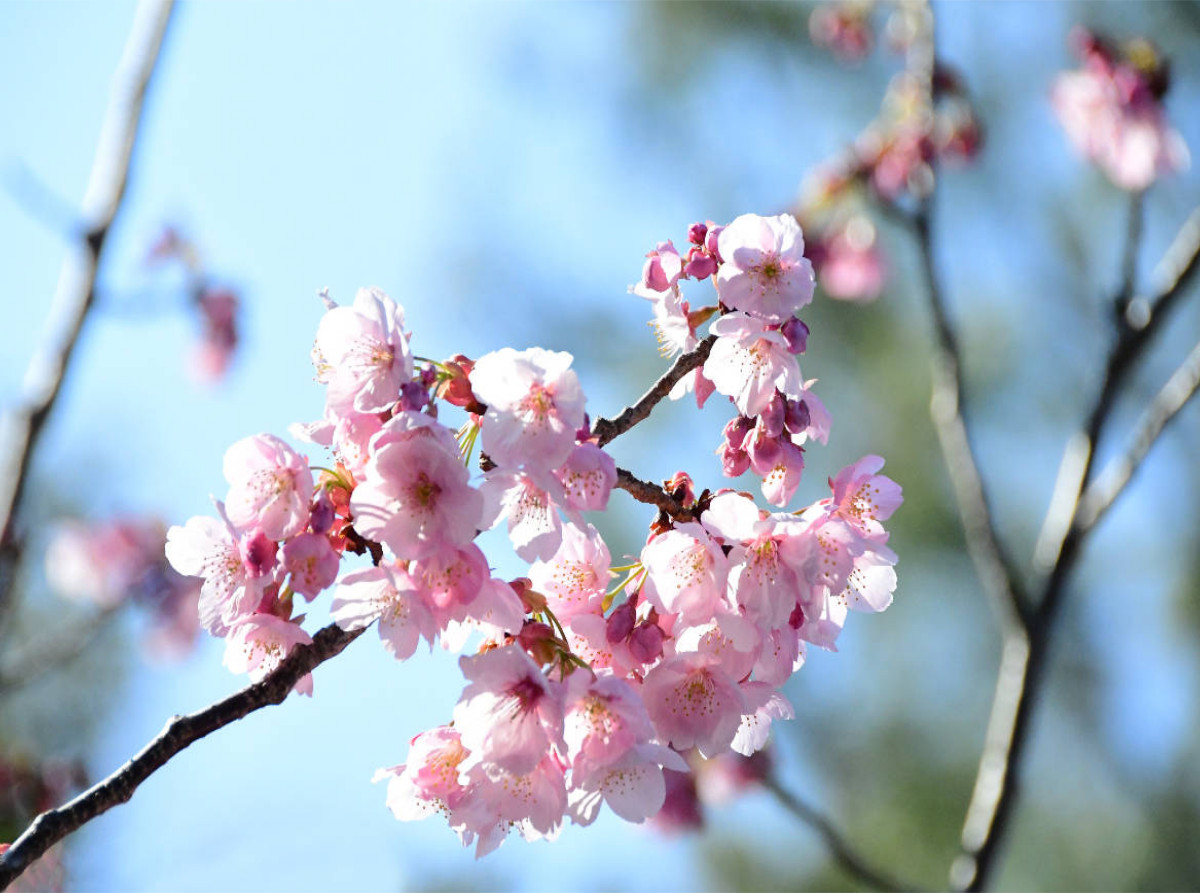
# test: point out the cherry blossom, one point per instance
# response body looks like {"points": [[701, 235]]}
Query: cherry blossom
{"points": [[535, 406], [362, 353], [270, 486], [765, 272]]}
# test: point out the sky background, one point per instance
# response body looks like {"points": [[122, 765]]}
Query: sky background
{"points": [[500, 170]]}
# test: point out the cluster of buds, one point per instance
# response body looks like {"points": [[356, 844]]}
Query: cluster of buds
{"points": [[579, 692], [112, 563], [1112, 110]]}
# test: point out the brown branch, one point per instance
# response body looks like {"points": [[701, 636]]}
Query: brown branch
{"points": [[843, 853], [77, 280], [646, 492], [607, 430], [179, 732]]}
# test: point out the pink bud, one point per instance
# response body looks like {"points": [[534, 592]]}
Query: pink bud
{"points": [[796, 333], [620, 623], [696, 233], [646, 642], [258, 553]]}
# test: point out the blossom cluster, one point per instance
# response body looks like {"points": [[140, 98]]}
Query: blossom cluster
{"points": [[579, 692], [1112, 110]]}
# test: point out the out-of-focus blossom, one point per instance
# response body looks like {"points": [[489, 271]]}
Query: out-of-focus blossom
{"points": [[1112, 111], [844, 27], [122, 561]]}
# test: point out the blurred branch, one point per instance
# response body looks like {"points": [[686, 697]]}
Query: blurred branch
{"points": [[607, 430], [1023, 668], [46, 656], [997, 573], [1104, 491], [77, 280], [181, 731], [842, 852]]}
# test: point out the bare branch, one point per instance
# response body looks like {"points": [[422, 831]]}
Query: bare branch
{"points": [[996, 571], [842, 852], [179, 732], [77, 280], [1105, 490], [607, 430], [1059, 547]]}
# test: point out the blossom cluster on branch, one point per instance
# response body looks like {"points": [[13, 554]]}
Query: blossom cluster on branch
{"points": [[580, 692]]}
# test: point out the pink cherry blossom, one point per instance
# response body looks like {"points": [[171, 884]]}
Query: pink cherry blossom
{"points": [[694, 703], [205, 547], [362, 353], [863, 497], [764, 703], [415, 499], [575, 577], [605, 719], [535, 406], [686, 572], [450, 576], [588, 477], [270, 486], [527, 502], [633, 786], [257, 644], [429, 782], [749, 362], [386, 594], [1112, 112], [765, 272], [532, 802], [509, 714], [662, 268], [672, 324], [312, 563]]}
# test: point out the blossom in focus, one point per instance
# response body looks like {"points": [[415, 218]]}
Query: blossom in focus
{"points": [[765, 272], [415, 498], [535, 406], [270, 486], [257, 644], [362, 353], [1113, 114]]}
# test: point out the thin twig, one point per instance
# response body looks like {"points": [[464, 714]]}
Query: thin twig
{"points": [[55, 824], [77, 280], [1106, 489], [843, 853], [606, 430], [996, 571]]}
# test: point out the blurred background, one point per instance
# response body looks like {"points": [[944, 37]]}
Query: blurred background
{"points": [[501, 170]]}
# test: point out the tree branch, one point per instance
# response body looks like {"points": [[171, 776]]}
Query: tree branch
{"points": [[1064, 531], [643, 491], [181, 731], [77, 280], [843, 853], [1104, 491], [607, 430]]}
